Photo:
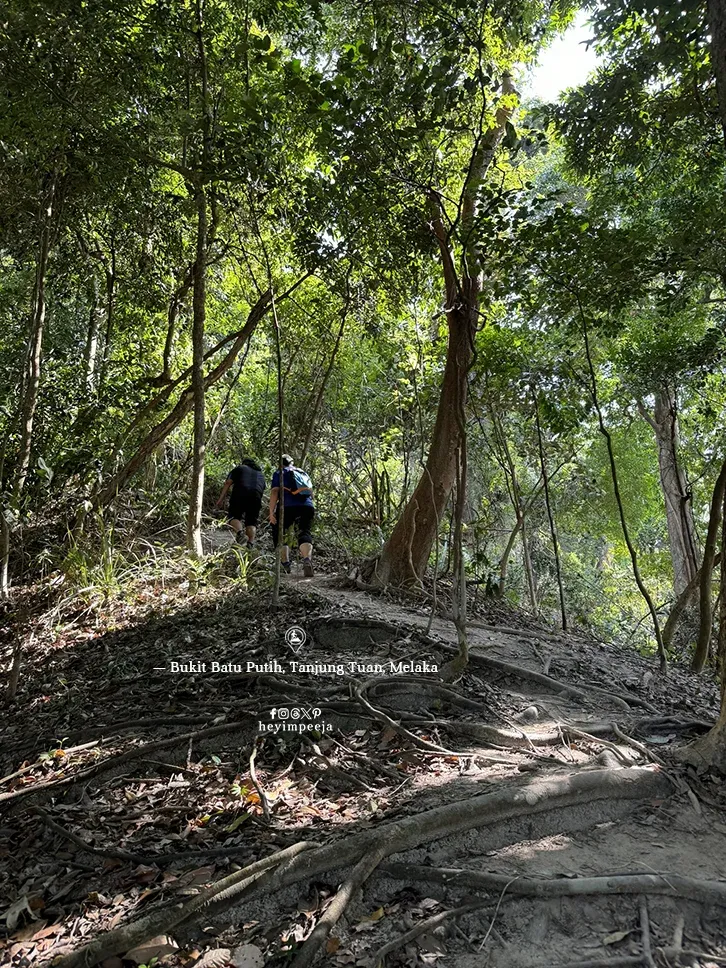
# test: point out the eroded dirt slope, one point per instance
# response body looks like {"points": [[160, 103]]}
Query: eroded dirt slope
{"points": [[537, 794]]}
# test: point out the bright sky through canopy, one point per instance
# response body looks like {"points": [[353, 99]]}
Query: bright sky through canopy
{"points": [[565, 63]]}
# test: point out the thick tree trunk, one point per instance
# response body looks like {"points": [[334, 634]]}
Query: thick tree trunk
{"points": [[405, 555], [196, 492], [679, 512]]}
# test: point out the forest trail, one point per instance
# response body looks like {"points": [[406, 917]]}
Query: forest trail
{"points": [[124, 820]]}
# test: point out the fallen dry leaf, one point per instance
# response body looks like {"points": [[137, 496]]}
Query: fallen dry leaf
{"points": [[615, 937], [15, 912], [155, 948], [215, 958]]}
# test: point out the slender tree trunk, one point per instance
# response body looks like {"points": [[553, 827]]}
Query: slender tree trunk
{"points": [[709, 553], [527, 562], [196, 495], [405, 556], [184, 406], [550, 515], [619, 500], [94, 324], [679, 511], [681, 604], [313, 413], [280, 451], [199, 308], [504, 560], [4, 552], [711, 749], [175, 304], [110, 267], [459, 595], [31, 383]]}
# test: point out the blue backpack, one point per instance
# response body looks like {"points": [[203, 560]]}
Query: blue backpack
{"points": [[303, 486]]}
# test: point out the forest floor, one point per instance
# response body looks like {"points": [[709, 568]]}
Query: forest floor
{"points": [[530, 814]]}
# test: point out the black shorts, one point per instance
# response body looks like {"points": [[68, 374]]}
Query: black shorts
{"points": [[302, 519], [245, 505]]}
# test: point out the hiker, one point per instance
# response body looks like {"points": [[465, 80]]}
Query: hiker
{"points": [[248, 485], [298, 510]]}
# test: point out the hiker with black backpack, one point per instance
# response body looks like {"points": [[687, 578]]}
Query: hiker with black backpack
{"points": [[248, 485], [298, 510]]}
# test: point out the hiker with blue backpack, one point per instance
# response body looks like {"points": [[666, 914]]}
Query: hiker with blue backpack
{"points": [[298, 510]]}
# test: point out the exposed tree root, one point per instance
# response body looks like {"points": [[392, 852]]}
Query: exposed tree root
{"points": [[538, 796], [378, 714], [160, 860], [111, 853], [672, 885], [645, 932], [39, 792], [163, 920], [334, 911], [427, 925]]}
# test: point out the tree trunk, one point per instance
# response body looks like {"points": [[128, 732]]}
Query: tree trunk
{"points": [[196, 493], [175, 304], [504, 560], [679, 512], [313, 413], [199, 306], [712, 747], [710, 750], [184, 405], [94, 323], [405, 555], [681, 604], [618, 497], [550, 515], [31, 383], [527, 562], [709, 553]]}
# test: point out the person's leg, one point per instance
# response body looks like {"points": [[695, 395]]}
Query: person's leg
{"points": [[234, 518], [284, 551], [252, 516], [305, 539]]}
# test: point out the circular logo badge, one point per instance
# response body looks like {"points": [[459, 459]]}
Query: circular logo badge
{"points": [[295, 637]]}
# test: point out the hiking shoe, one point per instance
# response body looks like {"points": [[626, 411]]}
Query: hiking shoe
{"points": [[307, 568], [240, 537], [286, 567], [250, 545]]}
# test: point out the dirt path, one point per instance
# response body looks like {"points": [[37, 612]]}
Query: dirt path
{"points": [[420, 788]]}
